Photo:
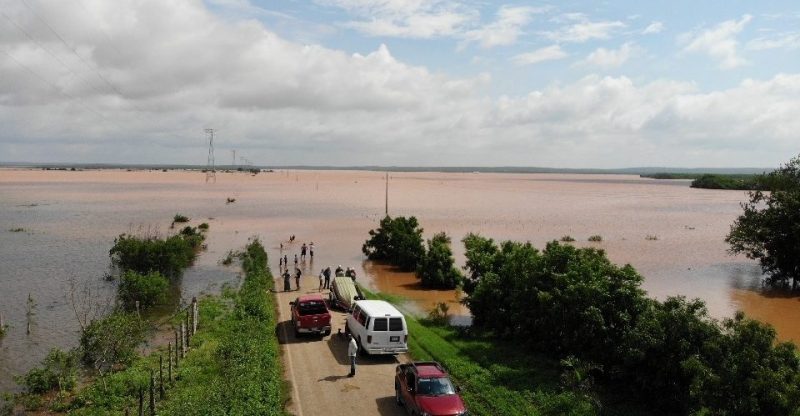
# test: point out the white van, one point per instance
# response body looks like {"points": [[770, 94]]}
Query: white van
{"points": [[378, 327]]}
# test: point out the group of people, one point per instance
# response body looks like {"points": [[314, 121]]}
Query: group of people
{"points": [[283, 264], [325, 276]]}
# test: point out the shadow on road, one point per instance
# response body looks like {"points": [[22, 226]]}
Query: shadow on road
{"points": [[338, 346], [334, 378], [285, 333], [388, 407]]}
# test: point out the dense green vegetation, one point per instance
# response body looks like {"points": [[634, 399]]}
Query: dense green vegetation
{"points": [[568, 302], [714, 180], [59, 370], [397, 241], [148, 254], [769, 228], [437, 267], [180, 218], [111, 341], [148, 289]]}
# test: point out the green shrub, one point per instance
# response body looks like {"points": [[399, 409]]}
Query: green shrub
{"points": [[111, 340], [567, 239], [596, 238], [203, 226], [437, 268], [180, 218], [149, 289], [397, 241], [58, 370]]}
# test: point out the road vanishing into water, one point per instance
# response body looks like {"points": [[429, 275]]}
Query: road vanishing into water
{"points": [[317, 368]]}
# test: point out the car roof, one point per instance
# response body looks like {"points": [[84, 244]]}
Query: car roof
{"points": [[312, 297], [429, 369], [377, 308]]}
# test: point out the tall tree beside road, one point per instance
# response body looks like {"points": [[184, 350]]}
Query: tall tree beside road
{"points": [[397, 241], [769, 228]]}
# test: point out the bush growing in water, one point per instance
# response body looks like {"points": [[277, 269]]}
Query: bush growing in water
{"points": [[566, 301], [203, 226], [180, 218], [58, 370], [567, 239], [150, 254], [397, 241], [596, 238], [111, 340], [149, 289], [436, 267]]}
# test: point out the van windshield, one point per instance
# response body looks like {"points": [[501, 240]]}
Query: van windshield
{"points": [[395, 324], [312, 308]]}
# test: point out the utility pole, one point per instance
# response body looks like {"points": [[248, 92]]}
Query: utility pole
{"points": [[387, 194], [234, 158], [210, 168]]}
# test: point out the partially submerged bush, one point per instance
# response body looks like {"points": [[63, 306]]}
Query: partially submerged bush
{"points": [[596, 238], [59, 370], [440, 314], [180, 218], [203, 226], [149, 289], [567, 239], [148, 254]]}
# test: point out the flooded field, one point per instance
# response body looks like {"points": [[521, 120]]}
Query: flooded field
{"points": [[70, 219]]}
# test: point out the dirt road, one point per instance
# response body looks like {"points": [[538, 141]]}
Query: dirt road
{"points": [[318, 366]]}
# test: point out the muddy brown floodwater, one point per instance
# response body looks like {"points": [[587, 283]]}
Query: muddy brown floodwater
{"points": [[70, 220]]}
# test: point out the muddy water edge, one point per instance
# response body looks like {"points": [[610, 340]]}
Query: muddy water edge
{"points": [[70, 219]]}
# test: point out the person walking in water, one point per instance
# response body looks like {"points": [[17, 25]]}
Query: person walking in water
{"points": [[352, 349], [311, 250], [285, 261], [303, 251], [297, 274], [295, 261]]}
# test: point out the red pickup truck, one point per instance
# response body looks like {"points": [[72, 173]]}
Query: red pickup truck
{"points": [[310, 315], [425, 389]]}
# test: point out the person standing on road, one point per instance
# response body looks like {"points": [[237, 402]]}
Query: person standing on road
{"points": [[321, 274], [352, 349], [295, 261], [297, 274], [286, 282], [327, 278]]}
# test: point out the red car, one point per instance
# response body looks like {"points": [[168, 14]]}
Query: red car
{"points": [[310, 315], [425, 390]]}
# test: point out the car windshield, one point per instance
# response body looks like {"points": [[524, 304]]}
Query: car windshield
{"points": [[312, 308], [435, 386]]}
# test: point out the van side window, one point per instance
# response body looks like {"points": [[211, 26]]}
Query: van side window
{"points": [[395, 324], [380, 325], [356, 310], [361, 318]]}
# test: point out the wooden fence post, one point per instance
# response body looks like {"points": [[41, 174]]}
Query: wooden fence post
{"points": [[176, 351], [152, 394], [169, 362], [141, 401], [161, 376], [188, 328], [183, 346], [195, 315]]}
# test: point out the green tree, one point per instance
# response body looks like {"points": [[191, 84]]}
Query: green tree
{"points": [[111, 340], [437, 267], [481, 253], [769, 228], [149, 289], [58, 370], [397, 241]]}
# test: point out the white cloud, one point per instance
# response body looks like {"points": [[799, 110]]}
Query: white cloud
{"points": [[406, 18], [179, 68], [719, 42], [611, 58], [788, 41], [584, 29], [653, 27], [505, 29], [549, 53]]}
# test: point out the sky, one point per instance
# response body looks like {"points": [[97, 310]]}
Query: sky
{"points": [[573, 84]]}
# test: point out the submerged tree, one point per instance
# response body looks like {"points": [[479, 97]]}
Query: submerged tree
{"points": [[769, 228], [397, 241], [437, 267]]}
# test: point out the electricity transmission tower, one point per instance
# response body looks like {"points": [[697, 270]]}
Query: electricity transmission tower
{"points": [[210, 169]]}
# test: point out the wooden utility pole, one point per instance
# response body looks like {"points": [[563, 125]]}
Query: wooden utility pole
{"points": [[387, 195]]}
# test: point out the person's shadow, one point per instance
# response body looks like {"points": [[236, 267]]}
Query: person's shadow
{"points": [[332, 378]]}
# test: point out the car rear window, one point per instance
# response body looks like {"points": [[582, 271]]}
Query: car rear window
{"points": [[395, 324], [380, 324], [312, 308]]}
